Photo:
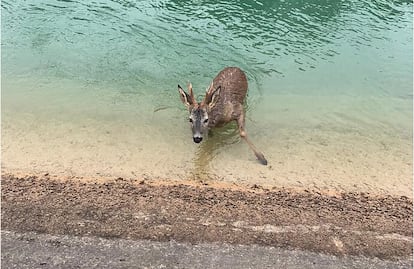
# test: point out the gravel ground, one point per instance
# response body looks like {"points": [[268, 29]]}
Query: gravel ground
{"points": [[347, 224]]}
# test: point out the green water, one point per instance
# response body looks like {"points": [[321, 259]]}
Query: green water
{"points": [[330, 89]]}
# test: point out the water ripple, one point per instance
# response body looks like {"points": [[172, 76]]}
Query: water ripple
{"points": [[186, 38]]}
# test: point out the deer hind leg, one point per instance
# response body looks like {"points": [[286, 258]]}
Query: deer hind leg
{"points": [[243, 134]]}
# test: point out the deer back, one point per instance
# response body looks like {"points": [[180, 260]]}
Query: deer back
{"points": [[229, 106]]}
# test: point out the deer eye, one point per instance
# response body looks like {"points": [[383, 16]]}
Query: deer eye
{"points": [[190, 120], [206, 120]]}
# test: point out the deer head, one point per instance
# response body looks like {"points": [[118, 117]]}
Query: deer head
{"points": [[199, 111]]}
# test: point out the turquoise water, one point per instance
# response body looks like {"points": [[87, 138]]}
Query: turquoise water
{"points": [[330, 89]]}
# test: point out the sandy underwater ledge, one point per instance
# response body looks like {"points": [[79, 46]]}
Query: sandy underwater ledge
{"points": [[322, 159], [340, 223]]}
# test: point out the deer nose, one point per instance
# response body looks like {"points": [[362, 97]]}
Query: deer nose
{"points": [[197, 139]]}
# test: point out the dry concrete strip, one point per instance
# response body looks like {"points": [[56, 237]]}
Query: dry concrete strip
{"points": [[31, 250]]}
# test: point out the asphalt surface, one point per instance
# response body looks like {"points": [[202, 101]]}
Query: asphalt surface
{"points": [[30, 250]]}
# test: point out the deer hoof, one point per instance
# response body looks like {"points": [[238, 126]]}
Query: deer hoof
{"points": [[261, 158]]}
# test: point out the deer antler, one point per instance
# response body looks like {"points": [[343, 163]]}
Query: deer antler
{"points": [[191, 93]]}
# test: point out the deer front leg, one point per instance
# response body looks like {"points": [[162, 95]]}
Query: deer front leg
{"points": [[243, 134]]}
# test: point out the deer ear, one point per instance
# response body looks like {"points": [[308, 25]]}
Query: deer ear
{"points": [[212, 96], [185, 97]]}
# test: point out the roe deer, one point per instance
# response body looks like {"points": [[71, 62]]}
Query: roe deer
{"points": [[222, 103]]}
